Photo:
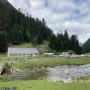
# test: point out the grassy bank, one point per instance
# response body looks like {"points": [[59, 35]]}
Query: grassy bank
{"points": [[45, 85], [50, 62], [34, 62]]}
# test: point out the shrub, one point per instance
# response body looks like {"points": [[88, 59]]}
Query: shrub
{"points": [[6, 69]]}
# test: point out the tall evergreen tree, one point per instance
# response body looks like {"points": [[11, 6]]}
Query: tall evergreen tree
{"points": [[53, 44], [74, 44], [60, 41], [66, 41]]}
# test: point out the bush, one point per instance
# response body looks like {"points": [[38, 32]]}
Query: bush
{"points": [[6, 69], [71, 52]]}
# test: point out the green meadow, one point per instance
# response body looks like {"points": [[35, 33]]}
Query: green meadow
{"points": [[42, 61], [39, 62], [45, 85]]}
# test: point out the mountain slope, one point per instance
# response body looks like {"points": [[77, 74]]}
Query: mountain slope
{"points": [[20, 28], [5, 13], [86, 46]]}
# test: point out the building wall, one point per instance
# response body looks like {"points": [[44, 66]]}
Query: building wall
{"points": [[33, 55]]}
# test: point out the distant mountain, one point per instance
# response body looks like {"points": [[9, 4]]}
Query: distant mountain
{"points": [[86, 46]]}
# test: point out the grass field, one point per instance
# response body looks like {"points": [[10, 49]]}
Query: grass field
{"points": [[34, 62], [50, 62], [41, 61], [45, 85]]}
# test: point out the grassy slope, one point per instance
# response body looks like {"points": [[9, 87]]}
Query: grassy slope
{"points": [[25, 45], [44, 85]]}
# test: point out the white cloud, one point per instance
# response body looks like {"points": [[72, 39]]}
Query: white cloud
{"points": [[73, 15]]}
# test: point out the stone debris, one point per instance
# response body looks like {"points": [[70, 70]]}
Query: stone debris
{"points": [[68, 73]]}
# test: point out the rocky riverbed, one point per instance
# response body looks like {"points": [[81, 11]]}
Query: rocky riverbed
{"points": [[68, 73], [59, 73]]}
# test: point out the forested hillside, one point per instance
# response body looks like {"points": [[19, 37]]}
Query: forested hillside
{"points": [[20, 28], [17, 28]]}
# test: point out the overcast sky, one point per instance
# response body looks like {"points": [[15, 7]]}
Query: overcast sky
{"points": [[72, 15]]}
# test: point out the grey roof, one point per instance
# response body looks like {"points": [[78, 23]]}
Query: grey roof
{"points": [[22, 51]]}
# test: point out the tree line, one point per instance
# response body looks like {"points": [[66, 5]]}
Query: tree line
{"points": [[61, 42]]}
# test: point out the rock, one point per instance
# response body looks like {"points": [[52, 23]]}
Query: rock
{"points": [[18, 70]]}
